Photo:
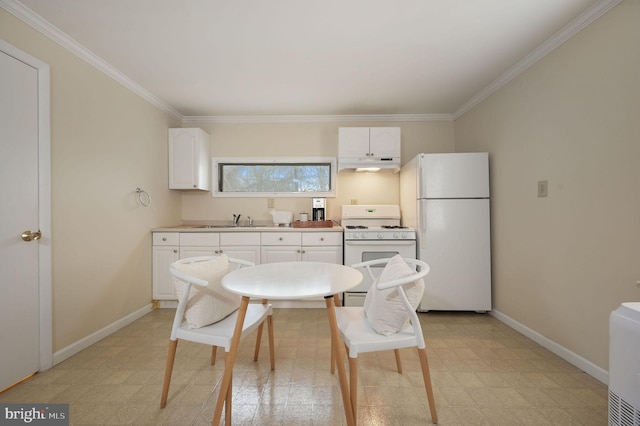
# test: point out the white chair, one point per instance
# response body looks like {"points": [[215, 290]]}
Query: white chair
{"points": [[218, 334], [360, 337]]}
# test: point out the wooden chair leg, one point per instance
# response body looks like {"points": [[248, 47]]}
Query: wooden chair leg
{"points": [[333, 360], [214, 351], [398, 360], [272, 352], [426, 375], [336, 302], [256, 353], [171, 356], [227, 405], [258, 339], [353, 386]]}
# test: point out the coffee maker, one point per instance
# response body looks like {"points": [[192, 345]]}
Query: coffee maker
{"points": [[318, 209]]}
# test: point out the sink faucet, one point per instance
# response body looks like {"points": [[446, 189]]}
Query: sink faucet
{"points": [[250, 219], [236, 218]]}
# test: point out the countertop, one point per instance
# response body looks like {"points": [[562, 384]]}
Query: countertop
{"points": [[225, 226]]}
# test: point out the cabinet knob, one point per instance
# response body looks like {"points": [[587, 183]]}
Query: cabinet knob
{"points": [[175, 251], [321, 238], [280, 238], [164, 239], [303, 251], [194, 186]]}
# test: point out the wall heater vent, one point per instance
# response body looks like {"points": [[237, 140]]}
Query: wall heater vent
{"points": [[621, 413], [624, 365]]}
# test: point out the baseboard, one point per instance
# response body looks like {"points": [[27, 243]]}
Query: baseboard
{"points": [[564, 353], [84, 343]]}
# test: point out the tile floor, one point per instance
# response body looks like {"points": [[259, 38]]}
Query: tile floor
{"points": [[483, 372]]}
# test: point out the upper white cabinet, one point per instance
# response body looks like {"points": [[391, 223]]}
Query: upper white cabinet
{"points": [[189, 159], [369, 142], [360, 147]]}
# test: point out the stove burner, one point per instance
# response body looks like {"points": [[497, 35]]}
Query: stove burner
{"points": [[394, 227], [356, 227]]}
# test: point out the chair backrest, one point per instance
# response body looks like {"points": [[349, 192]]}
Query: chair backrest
{"points": [[421, 268], [234, 264]]}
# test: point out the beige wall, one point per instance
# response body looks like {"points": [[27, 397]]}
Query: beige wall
{"points": [[561, 264], [105, 142], [308, 139]]}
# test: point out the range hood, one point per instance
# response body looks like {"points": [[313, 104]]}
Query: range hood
{"points": [[369, 164]]}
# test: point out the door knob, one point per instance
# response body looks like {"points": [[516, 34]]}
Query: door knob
{"points": [[30, 236]]}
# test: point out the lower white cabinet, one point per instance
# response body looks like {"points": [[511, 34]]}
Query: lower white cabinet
{"points": [[322, 247], [306, 246], [171, 246], [302, 246], [241, 245], [281, 247], [256, 247], [166, 250]]}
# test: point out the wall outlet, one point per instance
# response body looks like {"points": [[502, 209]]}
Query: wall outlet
{"points": [[354, 201], [543, 188], [269, 203]]}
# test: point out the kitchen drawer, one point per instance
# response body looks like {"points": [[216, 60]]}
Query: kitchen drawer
{"points": [[322, 239], [199, 239], [165, 238], [281, 239], [239, 238]]}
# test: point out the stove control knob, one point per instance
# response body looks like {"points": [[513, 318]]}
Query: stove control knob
{"points": [[380, 235], [404, 235], [395, 235]]}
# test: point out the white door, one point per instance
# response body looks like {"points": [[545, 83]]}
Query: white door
{"points": [[19, 306]]}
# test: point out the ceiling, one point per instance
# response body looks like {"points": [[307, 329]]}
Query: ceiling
{"points": [[215, 58]]}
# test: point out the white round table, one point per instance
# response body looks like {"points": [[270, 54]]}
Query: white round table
{"points": [[289, 281]]}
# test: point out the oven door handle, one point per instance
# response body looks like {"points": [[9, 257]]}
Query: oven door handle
{"points": [[379, 242]]}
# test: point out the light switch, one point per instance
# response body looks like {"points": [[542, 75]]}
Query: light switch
{"points": [[542, 188]]}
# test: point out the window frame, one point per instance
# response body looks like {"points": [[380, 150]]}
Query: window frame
{"points": [[215, 175]]}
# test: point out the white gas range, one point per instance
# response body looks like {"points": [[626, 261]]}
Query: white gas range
{"points": [[373, 232]]}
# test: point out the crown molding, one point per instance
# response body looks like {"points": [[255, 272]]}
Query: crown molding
{"points": [[46, 28], [315, 118], [39, 24], [555, 41]]}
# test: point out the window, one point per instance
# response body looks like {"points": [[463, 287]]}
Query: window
{"points": [[267, 176]]}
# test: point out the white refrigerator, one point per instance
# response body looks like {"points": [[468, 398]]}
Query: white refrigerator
{"points": [[445, 197]]}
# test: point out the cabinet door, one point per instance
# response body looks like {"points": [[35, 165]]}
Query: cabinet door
{"points": [[326, 254], [272, 254], [163, 256], [248, 253], [353, 142], [384, 142], [188, 159]]}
